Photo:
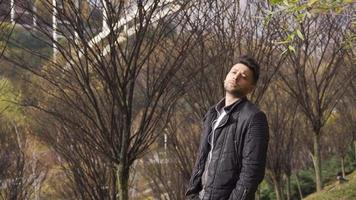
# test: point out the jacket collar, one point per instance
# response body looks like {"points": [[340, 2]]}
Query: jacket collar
{"points": [[228, 109]]}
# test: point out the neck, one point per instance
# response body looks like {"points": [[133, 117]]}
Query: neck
{"points": [[230, 99]]}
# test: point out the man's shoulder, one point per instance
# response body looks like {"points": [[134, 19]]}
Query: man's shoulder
{"points": [[208, 113], [250, 109]]}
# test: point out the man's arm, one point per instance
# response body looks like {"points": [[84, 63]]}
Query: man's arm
{"points": [[253, 158]]}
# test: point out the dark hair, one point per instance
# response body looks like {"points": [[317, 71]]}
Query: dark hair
{"points": [[251, 63]]}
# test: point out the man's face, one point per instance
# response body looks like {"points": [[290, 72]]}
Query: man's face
{"points": [[239, 80]]}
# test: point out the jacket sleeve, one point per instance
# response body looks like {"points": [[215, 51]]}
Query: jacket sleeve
{"points": [[253, 158]]}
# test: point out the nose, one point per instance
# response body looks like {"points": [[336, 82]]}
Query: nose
{"points": [[237, 76]]}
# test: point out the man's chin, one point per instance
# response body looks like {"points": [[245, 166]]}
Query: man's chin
{"points": [[236, 93]]}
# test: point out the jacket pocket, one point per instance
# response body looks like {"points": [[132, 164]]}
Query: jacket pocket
{"points": [[239, 193], [193, 184]]}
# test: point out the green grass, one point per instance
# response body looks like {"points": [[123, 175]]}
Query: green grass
{"points": [[339, 191], [8, 98]]}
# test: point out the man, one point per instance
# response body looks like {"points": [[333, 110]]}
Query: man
{"points": [[232, 155]]}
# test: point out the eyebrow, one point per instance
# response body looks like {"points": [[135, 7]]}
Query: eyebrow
{"points": [[244, 72]]}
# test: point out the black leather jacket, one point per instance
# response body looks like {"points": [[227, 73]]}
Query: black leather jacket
{"points": [[238, 159]]}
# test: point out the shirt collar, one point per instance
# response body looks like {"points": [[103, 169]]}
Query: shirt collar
{"points": [[221, 104]]}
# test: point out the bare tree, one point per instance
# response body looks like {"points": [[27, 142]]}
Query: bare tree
{"points": [[111, 94], [225, 29], [315, 73], [230, 29], [87, 174], [175, 154], [20, 177], [338, 138], [347, 113], [282, 113], [341, 128]]}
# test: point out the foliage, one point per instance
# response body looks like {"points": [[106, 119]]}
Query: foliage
{"points": [[266, 191], [345, 191], [8, 96], [303, 10], [21, 173], [22, 43], [332, 167], [306, 178], [22, 37]]}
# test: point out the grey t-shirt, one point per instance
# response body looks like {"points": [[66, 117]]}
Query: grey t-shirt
{"points": [[215, 124]]}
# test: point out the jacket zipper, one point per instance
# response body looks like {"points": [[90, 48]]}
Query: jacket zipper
{"points": [[212, 139], [196, 174], [244, 194], [212, 142], [213, 134], [210, 155]]}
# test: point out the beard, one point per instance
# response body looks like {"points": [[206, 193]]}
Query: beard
{"points": [[236, 91]]}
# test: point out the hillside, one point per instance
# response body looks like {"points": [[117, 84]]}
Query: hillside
{"points": [[341, 191]]}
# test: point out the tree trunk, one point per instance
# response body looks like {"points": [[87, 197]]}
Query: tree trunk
{"points": [[114, 181], [122, 177], [258, 194], [343, 166], [355, 148], [278, 189], [317, 161], [288, 186], [298, 185]]}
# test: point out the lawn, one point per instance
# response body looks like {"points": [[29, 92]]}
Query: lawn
{"points": [[340, 191]]}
